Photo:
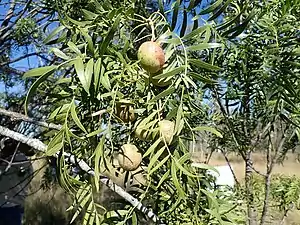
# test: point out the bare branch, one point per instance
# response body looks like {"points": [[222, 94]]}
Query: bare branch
{"points": [[19, 116], [40, 146]]}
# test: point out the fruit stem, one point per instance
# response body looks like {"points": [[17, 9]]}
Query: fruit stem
{"points": [[152, 30]]}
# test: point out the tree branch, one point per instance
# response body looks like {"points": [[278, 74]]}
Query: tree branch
{"points": [[19, 116], [40, 146]]}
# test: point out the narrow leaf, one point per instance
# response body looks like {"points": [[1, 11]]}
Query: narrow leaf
{"points": [[75, 118], [39, 71]]}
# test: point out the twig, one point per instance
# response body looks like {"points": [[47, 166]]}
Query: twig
{"points": [[19, 116], [40, 146]]}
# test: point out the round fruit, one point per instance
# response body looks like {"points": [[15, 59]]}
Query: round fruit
{"points": [[151, 56], [166, 129], [124, 110], [129, 158]]}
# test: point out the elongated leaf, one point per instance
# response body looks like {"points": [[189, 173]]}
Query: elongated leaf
{"points": [[97, 68], [180, 191], [98, 155], [74, 48], [170, 73], [220, 11], [175, 14], [211, 8], [178, 118], [160, 164], [163, 94], [39, 71], [104, 80], [34, 87], [76, 119], [53, 34], [89, 15], [88, 73], [201, 78], [154, 159], [164, 178], [59, 53], [184, 23], [199, 63], [79, 67], [209, 129], [203, 46], [196, 32], [151, 148], [56, 143], [109, 37]]}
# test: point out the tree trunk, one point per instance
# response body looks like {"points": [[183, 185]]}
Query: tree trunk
{"points": [[251, 210]]}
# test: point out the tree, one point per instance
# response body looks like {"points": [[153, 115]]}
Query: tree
{"points": [[258, 92], [96, 68]]}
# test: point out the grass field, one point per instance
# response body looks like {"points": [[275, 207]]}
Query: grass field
{"points": [[49, 207]]}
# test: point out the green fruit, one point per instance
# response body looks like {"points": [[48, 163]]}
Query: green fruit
{"points": [[151, 56], [129, 158], [167, 129]]}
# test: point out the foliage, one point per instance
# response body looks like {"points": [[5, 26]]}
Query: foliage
{"points": [[97, 69]]}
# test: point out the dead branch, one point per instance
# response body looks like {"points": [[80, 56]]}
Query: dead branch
{"points": [[19, 116]]}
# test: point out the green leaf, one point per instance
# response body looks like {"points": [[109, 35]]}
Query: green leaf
{"points": [[34, 87], [154, 159], [170, 73], [74, 48], [97, 69], [89, 71], [59, 53], [53, 33], [151, 148], [211, 7], [89, 15], [201, 78], [178, 118], [209, 129], [96, 132], [104, 80], [56, 143], [175, 14], [196, 32], [199, 63], [79, 67], [164, 178], [160, 164], [203, 46], [109, 37], [75, 118], [163, 94], [180, 191], [39, 71], [98, 155]]}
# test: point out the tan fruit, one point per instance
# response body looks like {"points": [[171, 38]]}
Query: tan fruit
{"points": [[167, 129], [129, 158], [151, 56], [125, 111]]}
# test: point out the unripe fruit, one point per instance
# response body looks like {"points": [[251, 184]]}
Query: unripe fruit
{"points": [[151, 56], [129, 158], [167, 129]]}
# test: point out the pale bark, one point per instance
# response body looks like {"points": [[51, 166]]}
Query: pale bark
{"points": [[40, 146]]}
